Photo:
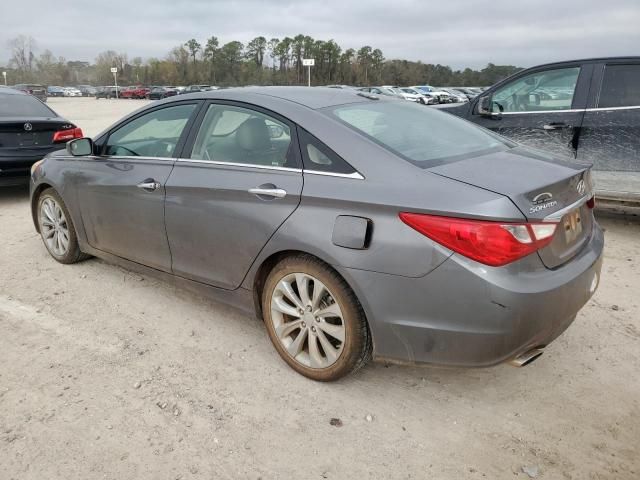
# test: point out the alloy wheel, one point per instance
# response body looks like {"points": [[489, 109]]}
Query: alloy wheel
{"points": [[308, 321], [55, 229]]}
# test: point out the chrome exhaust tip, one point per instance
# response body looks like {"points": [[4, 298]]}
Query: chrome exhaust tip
{"points": [[527, 357]]}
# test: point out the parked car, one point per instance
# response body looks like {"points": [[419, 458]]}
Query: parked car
{"points": [[456, 95], [135, 91], [196, 88], [55, 91], [87, 90], [587, 111], [389, 92], [34, 89], [442, 96], [158, 93], [108, 92], [415, 236], [470, 93], [417, 96], [29, 130], [71, 92]]}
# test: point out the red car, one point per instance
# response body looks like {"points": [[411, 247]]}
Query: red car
{"points": [[135, 92]]}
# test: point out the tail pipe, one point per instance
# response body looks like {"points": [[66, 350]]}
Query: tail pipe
{"points": [[527, 357]]}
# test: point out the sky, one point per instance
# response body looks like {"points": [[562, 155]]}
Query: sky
{"points": [[458, 33]]}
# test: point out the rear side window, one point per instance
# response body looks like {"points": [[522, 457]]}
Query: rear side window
{"points": [[620, 86], [23, 106], [320, 158], [425, 137]]}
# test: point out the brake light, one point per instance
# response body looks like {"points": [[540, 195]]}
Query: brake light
{"points": [[591, 203], [491, 243], [66, 135]]}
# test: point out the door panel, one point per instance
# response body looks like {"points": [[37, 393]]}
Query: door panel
{"points": [[543, 109], [122, 192], [121, 218], [216, 228], [610, 137], [240, 181]]}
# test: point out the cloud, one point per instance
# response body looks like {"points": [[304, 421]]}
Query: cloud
{"points": [[459, 33]]}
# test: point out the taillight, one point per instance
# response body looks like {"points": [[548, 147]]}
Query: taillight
{"points": [[66, 135], [491, 243], [591, 203]]}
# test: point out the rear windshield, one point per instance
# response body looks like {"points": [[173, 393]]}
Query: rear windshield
{"points": [[23, 106], [422, 135]]}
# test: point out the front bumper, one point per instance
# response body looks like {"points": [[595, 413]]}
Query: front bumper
{"points": [[467, 314]]}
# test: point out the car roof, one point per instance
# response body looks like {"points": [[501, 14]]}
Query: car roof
{"points": [[314, 98], [11, 91], [588, 60]]}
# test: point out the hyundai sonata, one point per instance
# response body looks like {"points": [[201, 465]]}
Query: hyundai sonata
{"points": [[355, 225]]}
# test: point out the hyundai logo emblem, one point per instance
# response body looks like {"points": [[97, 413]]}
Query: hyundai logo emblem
{"points": [[28, 127], [581, 187]]}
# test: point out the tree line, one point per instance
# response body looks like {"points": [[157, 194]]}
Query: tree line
{"points": [[261, 61]]}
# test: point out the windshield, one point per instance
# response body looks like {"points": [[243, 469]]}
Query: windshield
{"points": [[423, 136], [23, 106]]}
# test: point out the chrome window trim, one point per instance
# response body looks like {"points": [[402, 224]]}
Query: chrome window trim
{"points": [[131, 157], [555, 217], [353, 176], [571, 110], [601, 109], [235, 164]]}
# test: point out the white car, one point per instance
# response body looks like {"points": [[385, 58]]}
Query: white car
{"points": [[417, 96], [441, 95], [71, 92]]}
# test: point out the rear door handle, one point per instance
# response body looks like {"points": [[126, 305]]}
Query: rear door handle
{"points": [[556, 126], [268, 192], [149, 185]]}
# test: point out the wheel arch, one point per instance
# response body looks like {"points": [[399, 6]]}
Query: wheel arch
{"points": [[267, 265], [34, 203]]}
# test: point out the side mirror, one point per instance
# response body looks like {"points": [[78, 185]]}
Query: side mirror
{"points": [[485, 107], [80, 147], [534, 99]]}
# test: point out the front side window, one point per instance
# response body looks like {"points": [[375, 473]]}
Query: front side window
{"points": [[154, 134], [547, 91], [620, 86], [423, 136], [240, 135]]}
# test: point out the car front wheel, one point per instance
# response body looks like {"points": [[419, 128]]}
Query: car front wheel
{"points": [[56, 228], [314, 319]]}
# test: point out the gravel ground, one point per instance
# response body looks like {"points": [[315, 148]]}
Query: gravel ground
{"points": [[112, 375]]}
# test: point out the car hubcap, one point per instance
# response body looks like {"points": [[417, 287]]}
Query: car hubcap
{"points": [[307, 320], [55, 230]]}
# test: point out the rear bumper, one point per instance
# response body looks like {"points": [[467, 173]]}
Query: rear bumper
{"points": [[467, 314], [15, 168]]}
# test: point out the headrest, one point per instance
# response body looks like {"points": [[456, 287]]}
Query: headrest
{"points": [[253, 134]]}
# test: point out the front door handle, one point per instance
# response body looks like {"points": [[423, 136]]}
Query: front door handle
{"points": [[268, 192], [556, 126], [149, 185]]}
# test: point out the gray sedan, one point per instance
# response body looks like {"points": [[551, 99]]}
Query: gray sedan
{"points": [[354, 225]]}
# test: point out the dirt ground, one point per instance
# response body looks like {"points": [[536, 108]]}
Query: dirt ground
{"points": [[106, 374]]}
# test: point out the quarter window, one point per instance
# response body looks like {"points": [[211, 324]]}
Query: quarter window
{"points": [[548, 91], [620, 86], [320, 158], [154, 134], [239, 135]]}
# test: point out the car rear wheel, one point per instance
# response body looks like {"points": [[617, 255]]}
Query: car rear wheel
{"points": [[314, 319], [57, 230]]}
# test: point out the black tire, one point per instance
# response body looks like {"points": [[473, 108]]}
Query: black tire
{"points": [[357, 345], [73, 253]]}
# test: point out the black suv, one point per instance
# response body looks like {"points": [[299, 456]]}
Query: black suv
{"points": [[38, 91], [108, 92], [585, 110]]}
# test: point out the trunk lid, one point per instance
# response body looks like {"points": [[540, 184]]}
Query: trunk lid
{"points": [[26, 133], [540, 187]]}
